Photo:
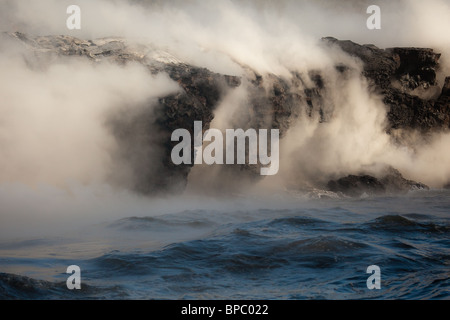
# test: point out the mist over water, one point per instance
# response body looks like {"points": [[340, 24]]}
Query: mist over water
{"points": [[61, 168]]}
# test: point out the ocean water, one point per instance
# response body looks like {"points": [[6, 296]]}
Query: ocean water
{"points": [[296, 248]]}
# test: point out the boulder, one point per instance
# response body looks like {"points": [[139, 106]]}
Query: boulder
{"points": [[391, 182], [356, 186]]}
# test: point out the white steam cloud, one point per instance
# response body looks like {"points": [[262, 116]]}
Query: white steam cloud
{"points": [[52, 119]]}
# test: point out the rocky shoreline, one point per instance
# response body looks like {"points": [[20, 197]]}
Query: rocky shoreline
{"points": [[405, 77]]}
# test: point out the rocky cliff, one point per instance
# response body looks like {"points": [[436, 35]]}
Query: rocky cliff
{"points": [[405, 77]]}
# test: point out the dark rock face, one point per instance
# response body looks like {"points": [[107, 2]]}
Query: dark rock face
{"points": [[379, 65], [416, 66], [398, 74], [392, 182], [201, 93]]}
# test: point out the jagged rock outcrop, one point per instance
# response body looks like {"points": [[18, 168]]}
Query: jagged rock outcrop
{"points": [[391, 182], [406, 77], [395, 183]]}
